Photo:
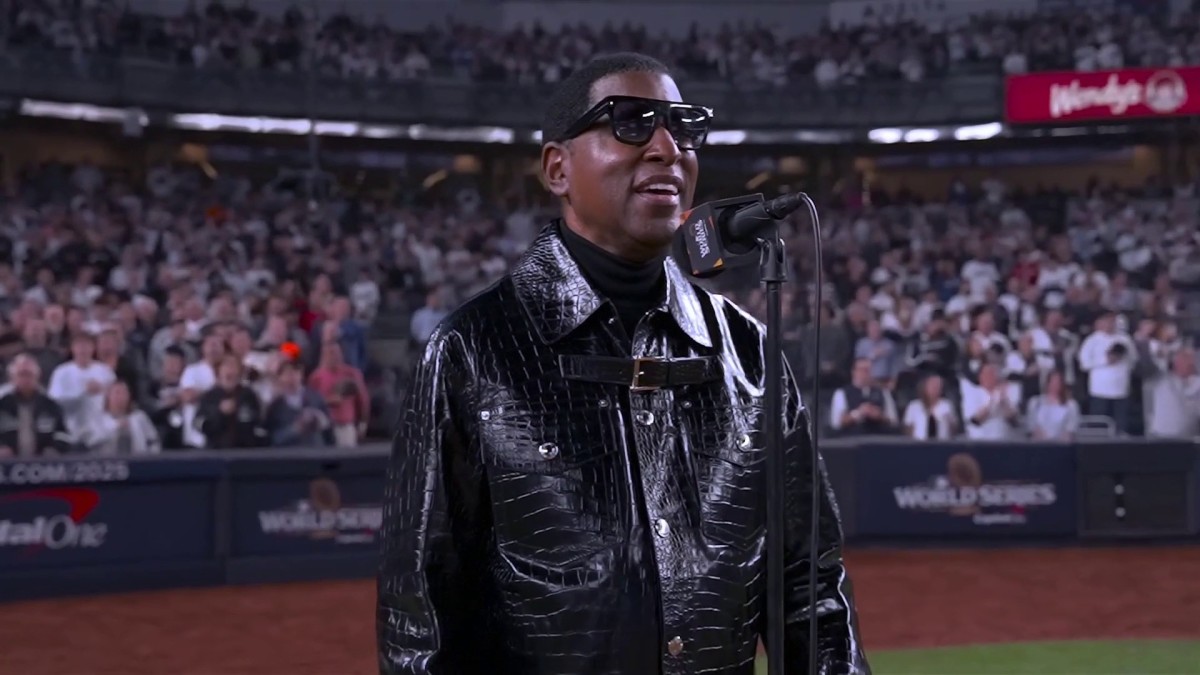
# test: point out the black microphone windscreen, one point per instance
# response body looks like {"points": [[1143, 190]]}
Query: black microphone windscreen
{"points": [[701, 240]]}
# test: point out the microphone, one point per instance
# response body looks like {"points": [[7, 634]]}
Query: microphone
{"points": [[718, 235]]}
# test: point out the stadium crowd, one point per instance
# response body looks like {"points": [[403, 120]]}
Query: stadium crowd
{"points": [[218, 37], [1005, 316], [177, 312]]}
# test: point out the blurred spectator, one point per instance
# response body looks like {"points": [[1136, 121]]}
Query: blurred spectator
{"points": [[365, 296], [426, 319], [863, 407], [122, 428], [297, 417], [110, 350], [1023, 368], [166, 400], [1053, 415], [931, 415], [31, 423], [1055, 346], [196, 380], [1173, 399], [1108, 358], [35, 343], [340, 325], [880, 351], [935, 350], [79, 384], [991, 408], [342, 387], [230, 414]]}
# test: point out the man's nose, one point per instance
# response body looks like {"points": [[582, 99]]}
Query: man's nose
{"points": [[662, 147]]}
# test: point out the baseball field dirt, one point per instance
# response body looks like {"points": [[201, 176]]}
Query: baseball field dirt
{"points": [[908, 599]]}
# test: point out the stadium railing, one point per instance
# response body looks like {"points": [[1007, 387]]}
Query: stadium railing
{"points": [[162, 88], [74, 525]]}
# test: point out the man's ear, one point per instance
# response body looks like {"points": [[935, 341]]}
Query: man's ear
{"points": [[555, 168]]}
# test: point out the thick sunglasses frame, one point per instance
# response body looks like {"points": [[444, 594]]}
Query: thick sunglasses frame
{"points": [[662, 117]]}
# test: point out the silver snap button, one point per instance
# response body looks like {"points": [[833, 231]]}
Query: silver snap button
{"points": [[662, 527], [485, 415], [687, 405], [744, 441], [611, 320], [644, 418], [675, 646], [603, 403], [548, 450]]}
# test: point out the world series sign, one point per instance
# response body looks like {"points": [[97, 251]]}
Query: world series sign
{"points": [[952, 490]]}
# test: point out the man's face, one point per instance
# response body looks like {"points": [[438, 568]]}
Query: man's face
{"points": [[83, 349], [172, 367], [24, 373], [289, 379], [229, 374], [213, 348], [861, 375], [604, 181]]}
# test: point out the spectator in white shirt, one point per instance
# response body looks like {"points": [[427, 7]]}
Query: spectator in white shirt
{"points": [[862, 407], [122, 429], [198, 378], [979, 275], [930, 416], [1054, 345], [991, 409], [79, 384], [1173, 399], [1053, 415], [1108, 358], [365, 297]]}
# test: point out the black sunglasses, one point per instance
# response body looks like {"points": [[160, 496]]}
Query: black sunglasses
{"points": [[633, 120]]}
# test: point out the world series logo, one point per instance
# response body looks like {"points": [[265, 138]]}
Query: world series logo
{"points": [[963, 492]]}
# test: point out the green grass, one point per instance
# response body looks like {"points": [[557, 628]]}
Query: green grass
{"points": [[1041, 658]]}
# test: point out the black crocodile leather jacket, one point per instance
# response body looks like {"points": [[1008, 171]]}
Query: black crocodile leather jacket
{"points": [[540, 525]]}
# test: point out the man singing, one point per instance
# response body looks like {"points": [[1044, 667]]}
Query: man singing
{"points": [[577, 480]]}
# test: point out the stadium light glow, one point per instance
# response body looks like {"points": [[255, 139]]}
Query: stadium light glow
{"points": [[885, 135], [81, 112], [504, 135], [921, 135], [979, 132]]}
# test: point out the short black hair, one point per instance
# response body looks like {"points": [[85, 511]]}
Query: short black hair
{"points": [[572, 98]]}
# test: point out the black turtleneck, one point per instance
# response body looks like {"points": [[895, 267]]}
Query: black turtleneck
{"points": [[633, 287]]}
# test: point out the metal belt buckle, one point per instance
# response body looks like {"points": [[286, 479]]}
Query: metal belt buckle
{"points": [[635, 383]]}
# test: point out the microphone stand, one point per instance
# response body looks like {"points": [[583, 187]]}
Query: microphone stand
{"points": [[773, 269]]}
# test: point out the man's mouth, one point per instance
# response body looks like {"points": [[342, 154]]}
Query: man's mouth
{"points": [[662, 190]]}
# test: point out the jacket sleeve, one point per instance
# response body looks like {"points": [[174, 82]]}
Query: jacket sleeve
{"points": [[838, 638], [62, 439], [429, 569]]}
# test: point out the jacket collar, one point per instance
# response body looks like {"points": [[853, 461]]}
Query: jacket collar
{"points": [[559, 299]]}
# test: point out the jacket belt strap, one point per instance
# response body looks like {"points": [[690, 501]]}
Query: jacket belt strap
{"points": [[643, 373]]}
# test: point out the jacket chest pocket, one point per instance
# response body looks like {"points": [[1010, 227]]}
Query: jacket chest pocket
{"points": [[726, 447], [556, 491]]}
